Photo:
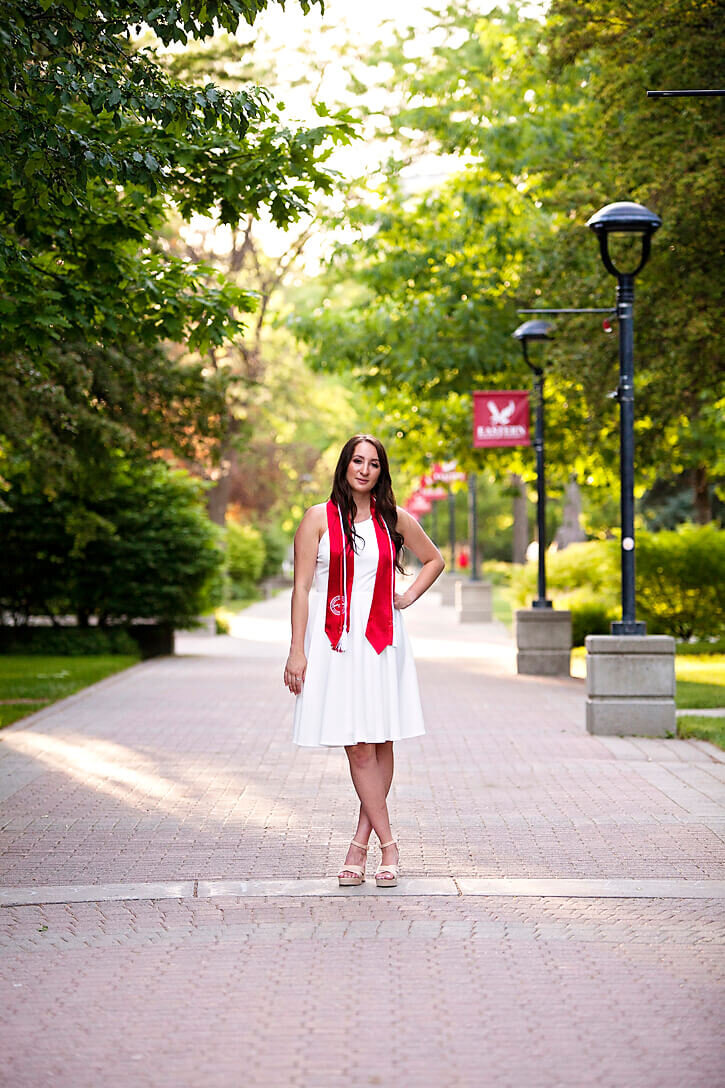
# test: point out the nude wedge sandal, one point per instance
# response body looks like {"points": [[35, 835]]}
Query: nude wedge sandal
{"points": [[379, 880], [359, 870]]}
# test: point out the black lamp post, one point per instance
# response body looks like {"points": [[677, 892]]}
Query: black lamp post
{"points": [[626, 218], [452, 526], [530, 332], [473, 525]]}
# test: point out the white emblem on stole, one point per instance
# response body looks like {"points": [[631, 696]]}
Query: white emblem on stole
{"points": [[337, 606]]}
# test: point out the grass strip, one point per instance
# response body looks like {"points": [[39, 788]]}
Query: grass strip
{"points": [[699, 696], [700, 681], [11, 712], [46, 679], [693, 725]]}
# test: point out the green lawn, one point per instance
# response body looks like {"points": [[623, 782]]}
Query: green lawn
{"points": [[712, 729], [28, 682], [700, 681], [702, 648], [10, 712]]}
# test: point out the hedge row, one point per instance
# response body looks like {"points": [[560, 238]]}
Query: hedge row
{"points": [[145, 639], [680, 581], [138, 545]]}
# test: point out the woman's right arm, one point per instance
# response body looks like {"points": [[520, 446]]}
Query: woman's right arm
{"points": [[307, 539]]}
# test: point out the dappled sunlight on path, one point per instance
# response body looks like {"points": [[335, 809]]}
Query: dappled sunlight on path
{"points": [[190, 792], [100, 765]]}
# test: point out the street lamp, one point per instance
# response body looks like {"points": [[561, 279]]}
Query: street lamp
{"points": [[531, 332], [473, 525], [625, 217]]}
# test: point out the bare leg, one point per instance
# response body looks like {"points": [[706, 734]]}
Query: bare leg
{"points": [[371, 767], [386, 761]]}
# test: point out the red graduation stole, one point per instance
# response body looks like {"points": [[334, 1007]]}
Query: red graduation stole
{"points": [[379, 630]]}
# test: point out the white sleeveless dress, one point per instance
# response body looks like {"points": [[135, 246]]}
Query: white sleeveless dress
{"points": [[358, 695]]}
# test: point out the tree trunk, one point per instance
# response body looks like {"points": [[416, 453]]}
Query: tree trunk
{"points": [[217, 498], [570, 531], [701, 498], [521, 520]]}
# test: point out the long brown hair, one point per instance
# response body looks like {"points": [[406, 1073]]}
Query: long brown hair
{"points": [[382, 493]]}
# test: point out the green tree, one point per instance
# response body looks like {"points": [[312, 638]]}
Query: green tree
{"points": [[97, 140], [245, 557], [551, 122], [670, 155], [421, 308], [279, 416]]}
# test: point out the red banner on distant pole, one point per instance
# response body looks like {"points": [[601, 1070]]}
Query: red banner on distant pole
{"points": [[417, 505], [501, 418], [447, 473]]}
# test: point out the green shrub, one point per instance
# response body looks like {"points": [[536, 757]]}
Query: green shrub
{"points": [[222, 624], [245, 557], [135, 544], [681, 581], [497, 572], [591, 566], [588, 617], [583, 578]]}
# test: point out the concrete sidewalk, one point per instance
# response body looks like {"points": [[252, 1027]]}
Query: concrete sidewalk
{"points": [[176, 857]]}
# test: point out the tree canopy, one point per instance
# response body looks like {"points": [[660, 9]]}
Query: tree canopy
{"points": [[98, 139], [550, 121]]}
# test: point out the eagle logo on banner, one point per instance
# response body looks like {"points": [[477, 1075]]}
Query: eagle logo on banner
{"points": [[501, 418]]}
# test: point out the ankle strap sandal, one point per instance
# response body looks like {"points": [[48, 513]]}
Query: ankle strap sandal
{"points": [[390, 881], [358, 871]]}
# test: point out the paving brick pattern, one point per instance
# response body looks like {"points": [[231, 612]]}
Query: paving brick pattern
{"points": [[183, 769], [516, 994]]}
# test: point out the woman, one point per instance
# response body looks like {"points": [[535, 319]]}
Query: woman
{"points": [[350, 662]]}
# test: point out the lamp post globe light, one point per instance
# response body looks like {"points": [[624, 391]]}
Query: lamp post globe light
{"points": [[630, 675], [625, 217], [533, 332]]}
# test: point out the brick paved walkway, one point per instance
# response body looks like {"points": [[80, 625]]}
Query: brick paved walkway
{"points": [[183, 770]]}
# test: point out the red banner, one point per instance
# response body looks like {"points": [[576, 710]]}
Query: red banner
{"points": [[501, 418], [447, 473], [417, 505]]}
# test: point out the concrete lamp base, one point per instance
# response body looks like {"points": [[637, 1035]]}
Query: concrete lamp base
{"points": [[474, 602], [631, 685], [543, 642], [446, 585]]}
